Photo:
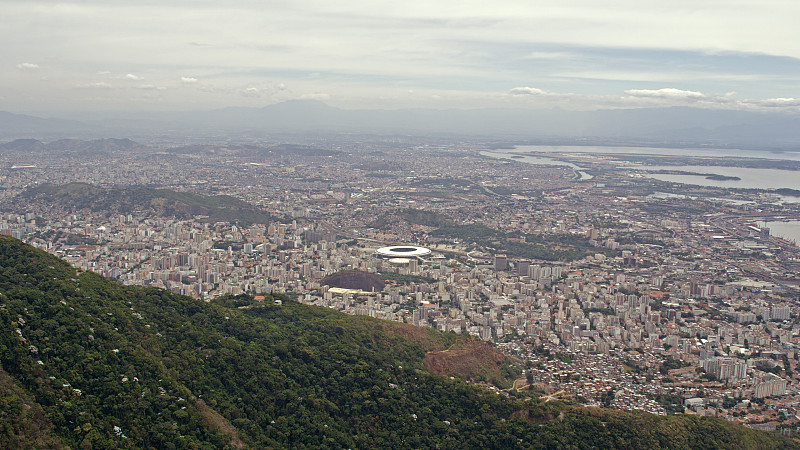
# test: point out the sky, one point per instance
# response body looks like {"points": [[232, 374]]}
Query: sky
{"points": [[107, 55]]}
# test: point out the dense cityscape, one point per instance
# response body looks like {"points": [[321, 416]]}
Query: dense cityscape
{"points": [[400, 225], [609, 286]]}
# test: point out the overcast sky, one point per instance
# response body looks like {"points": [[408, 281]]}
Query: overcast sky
{"points": [[573, 54]]}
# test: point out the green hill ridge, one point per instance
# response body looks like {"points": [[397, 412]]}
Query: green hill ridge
{"points": [[89, 363], [74, 197]]}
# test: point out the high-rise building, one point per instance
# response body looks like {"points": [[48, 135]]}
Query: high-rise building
{"points": [[500, 262], [523, 266], [770, 385], [780, 313]]}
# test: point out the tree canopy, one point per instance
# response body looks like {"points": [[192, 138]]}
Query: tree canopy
{"points": [[90, 363]]}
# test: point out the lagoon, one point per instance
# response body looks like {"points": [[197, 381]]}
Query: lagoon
{"points": [[789, 230], [750, 178], [705, 152]]}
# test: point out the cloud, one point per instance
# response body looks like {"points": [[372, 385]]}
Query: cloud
{"points": [[357, 51], [526, 91], [550, 55], [667, 93], [151, 87], [315, 96], [672, 96], [251, 92], [98, 85], [649, 98], [776, 102]]}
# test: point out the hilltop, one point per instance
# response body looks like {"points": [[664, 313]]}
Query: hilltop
{"points": [[354, 279], [87, 362], [254, 150], [74, 197], [73, 146]]}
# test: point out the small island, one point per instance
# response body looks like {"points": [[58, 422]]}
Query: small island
{"points": [[788, 192], [708, 176], [718, 177]]}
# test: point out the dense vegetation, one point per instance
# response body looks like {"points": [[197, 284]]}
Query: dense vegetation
{"points": [[163, 202], [354, 279], [548, 247], [89, 363]]}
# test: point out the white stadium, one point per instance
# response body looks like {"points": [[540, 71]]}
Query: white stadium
{"points": [[403, 251]]}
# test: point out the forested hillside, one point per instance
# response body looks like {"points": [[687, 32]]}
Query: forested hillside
{"points": [[77, 197], [89, 363]]}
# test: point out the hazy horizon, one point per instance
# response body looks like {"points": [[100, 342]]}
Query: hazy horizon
{"points": [[575, 55]]}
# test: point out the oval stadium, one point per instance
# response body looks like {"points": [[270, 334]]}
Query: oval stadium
{"points": [[403, 251]]}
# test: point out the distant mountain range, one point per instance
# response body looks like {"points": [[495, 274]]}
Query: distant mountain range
{"points": [[114, 145], [20, 125], [682, 126]]}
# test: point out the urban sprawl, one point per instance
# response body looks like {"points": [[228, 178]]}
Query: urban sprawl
{"points": [[611, 287]]}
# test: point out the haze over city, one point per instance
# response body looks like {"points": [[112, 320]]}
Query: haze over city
{"points": [[259, 224], [179, 55]]}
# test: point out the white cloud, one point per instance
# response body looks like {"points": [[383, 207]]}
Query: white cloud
{"points": [[361, 49], [550, 55], [251, 92], [667, 93], [315, 96], [150, 87], [526, 91], [776, 102], [98, 85], [646, 98]]}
